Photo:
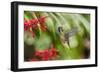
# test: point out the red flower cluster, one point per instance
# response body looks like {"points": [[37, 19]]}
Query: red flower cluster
{"points": [[33, 23], [48, 54]]}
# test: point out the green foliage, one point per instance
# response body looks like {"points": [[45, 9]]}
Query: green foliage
{"points": [[43, 40]]}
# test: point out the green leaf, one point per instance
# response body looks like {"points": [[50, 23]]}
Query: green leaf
{"points": [[28, 15], [43, 42], [28, 38], [50, 24]]}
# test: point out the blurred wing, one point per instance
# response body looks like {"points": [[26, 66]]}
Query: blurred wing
{"points": [[70, 33]]}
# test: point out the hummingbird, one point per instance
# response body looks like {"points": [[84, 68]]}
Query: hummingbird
{"points": [[66, 35]]}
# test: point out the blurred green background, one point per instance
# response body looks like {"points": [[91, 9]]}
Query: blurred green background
{"points": [[77, 46]]}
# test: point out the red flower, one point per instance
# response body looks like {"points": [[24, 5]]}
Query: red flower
{"points": [[43, 27], [44, 55], [42, 19], [42, 23], [33, 23], [39, 53], [47, 54], [26, 25], [53, 53]]}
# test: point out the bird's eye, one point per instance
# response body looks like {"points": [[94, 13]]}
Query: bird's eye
{"points": [[60, 29]]}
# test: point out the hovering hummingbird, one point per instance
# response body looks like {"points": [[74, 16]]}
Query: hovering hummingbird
{"points": [[66, 35]]}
